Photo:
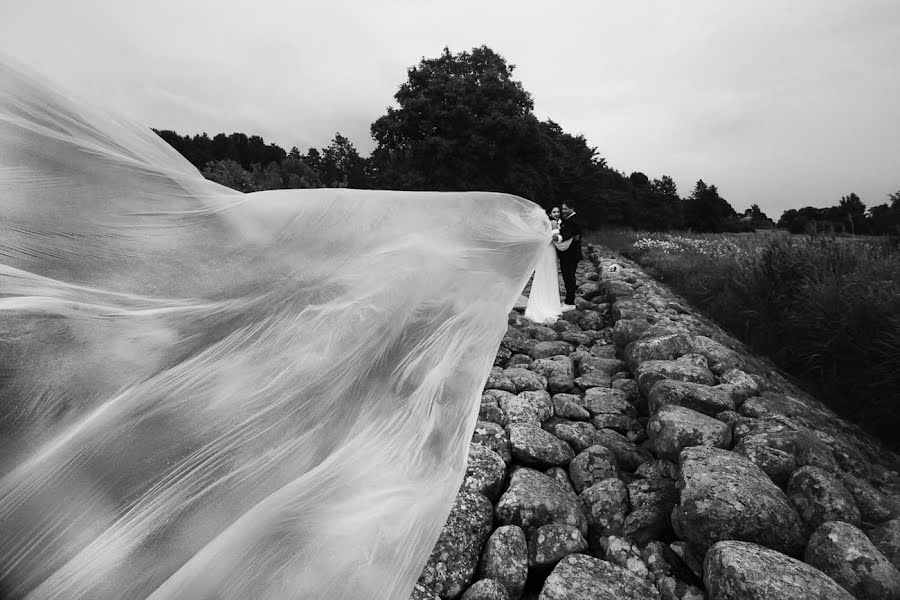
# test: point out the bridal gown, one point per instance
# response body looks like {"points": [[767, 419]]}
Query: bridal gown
{"points": [[208, 394]]}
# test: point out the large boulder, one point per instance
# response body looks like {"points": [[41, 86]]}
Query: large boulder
{"points": [[652, 501], [650, 372], [494, 437], [485, 471], [874, 506], [505, 559], [608, 401], [605, 505], [724, 496], [548, 349], [551, 543], [886, 538], [582, 577], [709, 400], [819, 496], [592, 465], [578, 434], [671, 347], [486, 589], [845, 554], [673, 428], [524, 380], [742, 571], [535, 447], [534, 499], [451, 566]]}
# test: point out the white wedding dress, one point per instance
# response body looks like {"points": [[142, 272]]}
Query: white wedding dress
{"points": [[543, 304], [206, 394]]}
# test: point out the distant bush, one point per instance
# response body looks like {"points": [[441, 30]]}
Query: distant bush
{"points": [[827, 310]]}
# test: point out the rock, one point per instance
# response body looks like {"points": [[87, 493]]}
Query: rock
{"points": [[663, 562], [670, 347], [628, 455], [845, 554], [519, 410], [621, 552], [517, 341], [683, 551], [582, 577], [886, 537], [652, 501], [541, 401], [605, 505], [590, 320], [630, 427], [493, 437], [819, 496], [519, 360], [567, 406], [548, 349], [505, 559], [658, 468], [502, 357], [696, 396], [524, 380], [874, 506], [578, 434], [420, 592], [741, 385], [541, 333], [593, 380], [485, 471], [486, 589], [596, 364], [694, 359], [628, 330], [534, 499], [724, 496], [551, 543], [452, 563], [576, 338], [777, 464], [602, 350], [532, 446], [607, 401], [557, 365], [562, 476], [498, 380], [743, 571], [629, 387], [675, 589], [491, 412], [673, 428], [650, 372], [592, 465]]}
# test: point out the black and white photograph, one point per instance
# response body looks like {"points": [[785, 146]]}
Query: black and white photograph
{"points": [[449, 300]]}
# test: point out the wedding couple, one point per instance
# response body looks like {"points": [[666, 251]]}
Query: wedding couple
{"points": [[543, 302]]}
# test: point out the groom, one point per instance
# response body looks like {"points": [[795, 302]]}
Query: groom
{"points": [[569, 229]]}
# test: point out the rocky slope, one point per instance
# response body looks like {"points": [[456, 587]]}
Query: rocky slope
{"points": [[633, 450]]}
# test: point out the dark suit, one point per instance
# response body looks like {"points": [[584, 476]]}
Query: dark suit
{"points": [[570, 229]]}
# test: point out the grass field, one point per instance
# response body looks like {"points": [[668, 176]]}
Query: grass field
{"points": [[825, 309]]}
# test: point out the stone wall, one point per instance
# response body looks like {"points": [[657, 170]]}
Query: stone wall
{"points": [[634, 450]]}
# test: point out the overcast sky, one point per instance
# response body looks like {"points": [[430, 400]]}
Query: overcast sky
{"points": [[780, 103]]}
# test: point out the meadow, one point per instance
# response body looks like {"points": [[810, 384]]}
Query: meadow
{"points": [[826, 309]]}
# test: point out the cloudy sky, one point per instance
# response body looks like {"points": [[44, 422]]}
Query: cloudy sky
{"points": [[779, 103]]}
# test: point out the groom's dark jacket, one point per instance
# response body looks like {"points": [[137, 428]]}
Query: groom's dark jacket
{"points": [[568, 229]]}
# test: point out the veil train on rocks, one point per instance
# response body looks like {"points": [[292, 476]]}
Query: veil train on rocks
{"points": [[209, 394]]}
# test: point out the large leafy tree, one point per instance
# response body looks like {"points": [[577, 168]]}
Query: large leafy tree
{"points": [[705, 210], [462, 123]]}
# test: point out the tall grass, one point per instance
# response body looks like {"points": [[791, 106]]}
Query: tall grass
{"points": [[827, 310]]}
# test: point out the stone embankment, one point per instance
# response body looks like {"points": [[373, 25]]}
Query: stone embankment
{"points": [[633, 450]]}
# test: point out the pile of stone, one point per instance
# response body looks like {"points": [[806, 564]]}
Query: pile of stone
{"points": [[633, 450]]}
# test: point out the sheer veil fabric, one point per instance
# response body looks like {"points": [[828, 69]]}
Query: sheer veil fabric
{"points": [[206, 394]]}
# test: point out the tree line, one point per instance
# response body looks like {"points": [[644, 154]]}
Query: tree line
{"points": [[463, 122]]}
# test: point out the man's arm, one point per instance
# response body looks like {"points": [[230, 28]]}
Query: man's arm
{"points": [[572, 227]]}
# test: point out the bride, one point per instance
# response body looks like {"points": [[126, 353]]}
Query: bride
{"points": [[543, 301], [209, 394]]}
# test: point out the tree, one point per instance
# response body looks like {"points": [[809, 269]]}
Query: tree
{"points": [[705, 210], [854, 211], [462, 123], [341, 165]]}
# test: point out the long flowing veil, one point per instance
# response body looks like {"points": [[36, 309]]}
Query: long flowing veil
{"points": [[543, 304], [206, 394]]}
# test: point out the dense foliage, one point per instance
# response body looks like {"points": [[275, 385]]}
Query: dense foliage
{"points": [[824, 308], [463, 122]]}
